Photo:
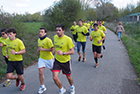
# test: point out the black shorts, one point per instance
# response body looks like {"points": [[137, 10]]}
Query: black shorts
{"points": [[75, 37], [15, 65], [6, 59], [96, 49], [65, 67]]}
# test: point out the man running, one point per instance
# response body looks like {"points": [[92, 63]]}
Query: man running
{"points": [[15, 49], [46, 57], [63, 49], [82, 32], [3, 40], [101, 27], [96, 36], [73, 27]]}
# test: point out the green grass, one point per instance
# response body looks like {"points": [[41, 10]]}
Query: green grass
{"points": [[29, 38], [132, 43]]}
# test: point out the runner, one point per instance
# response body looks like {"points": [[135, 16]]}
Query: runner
{"points": [[15, 49], [3, 40], [73, 27], [46, 57], [63, 49], [82, 32], [88, 25], [96, 36], [120, 30], [101, 27], [103, 23]]}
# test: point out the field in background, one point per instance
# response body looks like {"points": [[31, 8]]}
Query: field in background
{"points": [[131, 40], [30, 37]]}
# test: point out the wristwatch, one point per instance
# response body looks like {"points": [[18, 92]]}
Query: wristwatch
{"points": [[63, 53], [15, 53]]}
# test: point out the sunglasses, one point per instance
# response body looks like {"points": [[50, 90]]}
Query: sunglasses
{"points": [[2, 33]]}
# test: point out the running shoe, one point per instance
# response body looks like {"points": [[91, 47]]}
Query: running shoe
{"points": [[72, 90], [96, 65], [17, 82], [22, 87], [79, 58], [7, 83], [41, 90], [103, 47], [62, 91], [84, 59]]}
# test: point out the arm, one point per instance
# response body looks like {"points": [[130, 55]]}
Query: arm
{"points": [[123, 29], [53, 52], [70, 52], [7, 56], [1, 45], [102, 39], [19, 52], [91, 38], [48, 50]]}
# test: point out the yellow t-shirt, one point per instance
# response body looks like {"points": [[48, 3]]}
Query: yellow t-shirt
{"points": [[46, 44], [102, 28], [64, 44], [88, 26], [81, 37], [96, 36], [85, 24], [16, 45], [3, 41], [74, 27], [103, 22]]}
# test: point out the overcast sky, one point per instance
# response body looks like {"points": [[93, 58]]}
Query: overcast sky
{"points": [[32, 6]]}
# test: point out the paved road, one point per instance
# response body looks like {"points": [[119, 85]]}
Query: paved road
{"points": [[115, 74]]}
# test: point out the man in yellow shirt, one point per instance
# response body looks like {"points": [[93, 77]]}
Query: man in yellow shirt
{"points": [[82, 32], [97, 36], [101, 27], [63, 49], [3, 40], [15, 49], [73, 29], [46, 57], [88, 25], [103, 23]]}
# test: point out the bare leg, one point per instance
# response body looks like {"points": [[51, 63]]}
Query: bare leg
{"points": [[70, 80], [21, 78], [41, 76], [57, 80], [11, 76]]}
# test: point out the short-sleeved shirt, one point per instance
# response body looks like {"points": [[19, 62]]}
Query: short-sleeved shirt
{"points": [[102, 28], [46, 44], [74, 27], [64, 44], [3, 41], [96, 36], [81, 37], [88, 25], [85, 24], [16, 45]]}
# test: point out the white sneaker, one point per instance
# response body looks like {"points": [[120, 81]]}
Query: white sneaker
{"points": [[72, 90], [62, 91], [41, 90]]}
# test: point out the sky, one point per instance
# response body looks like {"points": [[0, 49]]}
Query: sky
{"points": [[32, 6]]}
